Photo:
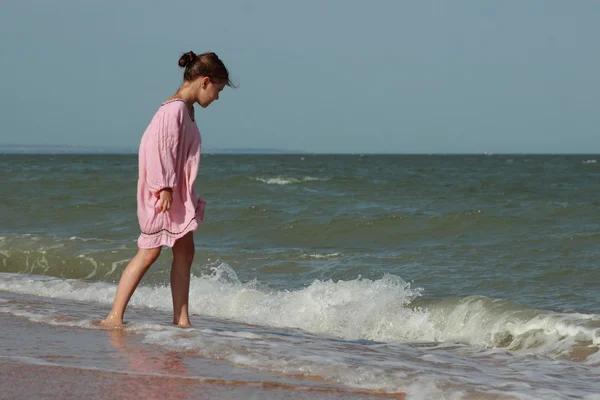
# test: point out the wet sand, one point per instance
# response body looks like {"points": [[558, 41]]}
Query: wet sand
{"points": [[26, 381], [42, 361]]}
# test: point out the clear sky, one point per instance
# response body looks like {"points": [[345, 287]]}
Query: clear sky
{"points": [[320, 76]]}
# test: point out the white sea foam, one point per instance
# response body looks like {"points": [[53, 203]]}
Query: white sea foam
{"points": [[421, 372], [376, 310], [115, 265], [280, 180], [46, 317], [320, 256], [357, 309], [94, 265]]}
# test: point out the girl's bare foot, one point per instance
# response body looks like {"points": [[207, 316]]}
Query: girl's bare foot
{"points": [[183, 324], [112, 321]]}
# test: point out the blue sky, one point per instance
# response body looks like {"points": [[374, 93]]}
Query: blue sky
{"points": [[318, 76]]}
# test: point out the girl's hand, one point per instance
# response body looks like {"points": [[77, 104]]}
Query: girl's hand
{"points": [[165, 198]]}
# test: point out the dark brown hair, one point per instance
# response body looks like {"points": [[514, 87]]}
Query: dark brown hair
{"points": [[205, 64]]}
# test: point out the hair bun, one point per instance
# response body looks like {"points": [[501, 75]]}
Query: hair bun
{"points": [[186, 58]]}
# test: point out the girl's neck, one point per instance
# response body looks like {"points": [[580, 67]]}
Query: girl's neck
{"points": [[187, 94]]}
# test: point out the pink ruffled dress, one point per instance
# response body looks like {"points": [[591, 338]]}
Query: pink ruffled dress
{"points": [[169, 157]]}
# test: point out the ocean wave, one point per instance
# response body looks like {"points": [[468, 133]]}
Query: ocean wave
{"points": [[321, 256], [382, 229], [384, 310], [281, 180], [74, 257]]}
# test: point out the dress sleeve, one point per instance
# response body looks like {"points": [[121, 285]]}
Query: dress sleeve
{"points": [[161, 152]]}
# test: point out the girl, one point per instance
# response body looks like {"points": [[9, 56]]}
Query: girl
{"points": [[168, 208]]}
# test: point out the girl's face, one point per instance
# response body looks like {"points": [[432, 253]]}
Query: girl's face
{"points": [[208, 91]]}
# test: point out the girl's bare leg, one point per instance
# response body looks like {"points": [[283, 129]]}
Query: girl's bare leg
{"points": [[133, 274], [183, 255]]}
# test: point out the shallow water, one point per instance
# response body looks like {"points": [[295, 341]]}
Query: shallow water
{"points": [[435, 276]]}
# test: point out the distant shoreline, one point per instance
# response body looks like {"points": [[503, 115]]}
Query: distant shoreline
{"points": [[20, 149], [108, 150], [49, 149]]}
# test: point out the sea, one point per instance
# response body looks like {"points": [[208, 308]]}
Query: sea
{"points": [[356, 275]]}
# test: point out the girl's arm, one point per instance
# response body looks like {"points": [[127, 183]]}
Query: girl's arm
{"points": [[161, 153]]}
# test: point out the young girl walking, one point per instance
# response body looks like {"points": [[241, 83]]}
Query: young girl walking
{"points": [[168, 208]]}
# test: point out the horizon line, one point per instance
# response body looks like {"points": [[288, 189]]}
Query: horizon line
{"points": [[127, 150]]}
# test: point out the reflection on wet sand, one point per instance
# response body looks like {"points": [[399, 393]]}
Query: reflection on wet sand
{"points": [[57, 362], [166, 364], [169, 364]]}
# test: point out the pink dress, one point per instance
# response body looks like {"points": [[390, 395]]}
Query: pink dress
{"points": [[169, 157]]}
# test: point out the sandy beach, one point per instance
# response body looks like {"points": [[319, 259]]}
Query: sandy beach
{"points": [[42, 361]]}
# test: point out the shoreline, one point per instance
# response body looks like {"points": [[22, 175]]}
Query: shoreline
{"points": [[30, 381], [39, 360]]}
